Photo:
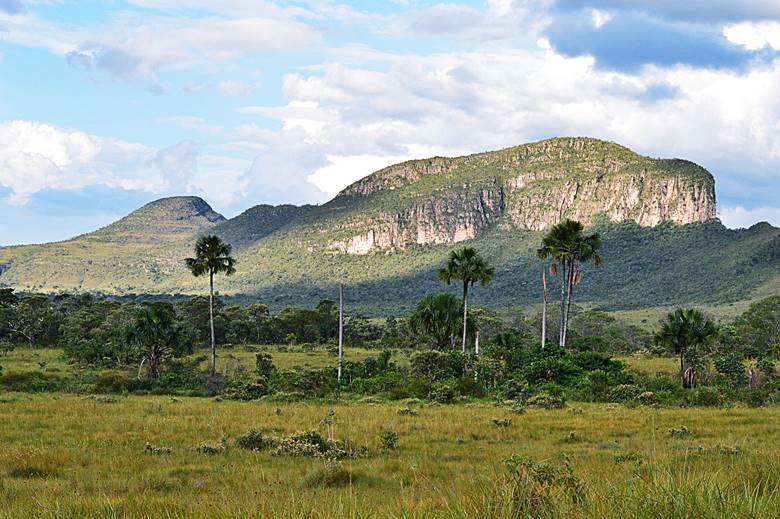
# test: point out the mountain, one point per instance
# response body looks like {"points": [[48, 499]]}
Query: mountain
{"points": [[164, 220], [257, 223], [385, 236]]}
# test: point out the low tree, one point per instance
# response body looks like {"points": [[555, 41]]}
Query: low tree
{"points": [[437, 316], [759, 328], [683, 330], [156, 334], [469, 267], [212, 257]]}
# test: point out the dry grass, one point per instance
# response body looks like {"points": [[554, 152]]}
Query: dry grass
{"points": [[68, 456]]}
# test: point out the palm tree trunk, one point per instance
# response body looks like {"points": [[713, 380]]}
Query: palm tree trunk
{"points": [[341, 328], [544, 307], [563, 303], [211, 324], [570, 283], [682, 367], [465, 312]]}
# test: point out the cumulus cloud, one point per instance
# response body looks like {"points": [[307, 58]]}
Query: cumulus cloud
{"points": [[136, 45], [353, 117], [739, 218], [35, 157]]}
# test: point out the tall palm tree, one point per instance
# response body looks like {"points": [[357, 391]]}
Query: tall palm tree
{"points": [[682, 330], [469, 267], [566, 244], [212, 256]]}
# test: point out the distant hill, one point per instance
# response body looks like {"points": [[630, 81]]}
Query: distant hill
{"points": [[386, 235]]}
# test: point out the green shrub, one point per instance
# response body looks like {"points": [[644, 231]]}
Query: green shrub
{"points": [[704, 397], [388, 440], [332, 474], [624, 393], [256, 441], [545, 400]]}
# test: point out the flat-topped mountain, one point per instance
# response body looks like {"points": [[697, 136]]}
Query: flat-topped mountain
{"points": [[529, 187], [386, 235]]}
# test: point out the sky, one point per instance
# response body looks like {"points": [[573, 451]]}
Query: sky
{"points": [[107, 105]]}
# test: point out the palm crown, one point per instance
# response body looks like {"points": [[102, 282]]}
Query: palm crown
{"points": [[212, 256], [468, 266]]}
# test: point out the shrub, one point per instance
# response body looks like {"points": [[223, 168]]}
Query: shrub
{"points": [[211, 449], [545, 400], [443, 392], [388, 440], [245, 391], [155, 449], [680, 432], [704, 397], [730, 366], [536, 486], [331, 474], [256, 441], [647, 398], [624, 393]]}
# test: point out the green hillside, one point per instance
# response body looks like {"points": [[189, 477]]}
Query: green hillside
{"points": [[386, 235]]}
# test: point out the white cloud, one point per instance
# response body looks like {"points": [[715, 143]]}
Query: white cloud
{"points": [[36, 156], [190, 122], [754, 36], [738, 217], [351, 120], [140, 45]]}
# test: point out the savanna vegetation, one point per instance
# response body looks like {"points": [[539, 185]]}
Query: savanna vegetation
{"points": [[216, 409]]}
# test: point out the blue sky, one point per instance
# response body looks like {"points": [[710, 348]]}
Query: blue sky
{"points": [[105, 106]]}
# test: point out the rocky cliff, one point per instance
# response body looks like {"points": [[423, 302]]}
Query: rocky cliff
{"points": [[529, 187]]}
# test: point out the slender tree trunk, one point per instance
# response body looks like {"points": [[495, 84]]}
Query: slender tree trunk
{"points": [[544, 307], [465, 312], [682, 367], [570, 288], [341, 328], [476, 352], [563, 303], [211, 324]]}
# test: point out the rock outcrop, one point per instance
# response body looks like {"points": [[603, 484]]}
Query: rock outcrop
{"points": [[530, 187]]}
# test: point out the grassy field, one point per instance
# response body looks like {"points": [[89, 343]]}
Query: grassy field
{"points": [[70, 456]]}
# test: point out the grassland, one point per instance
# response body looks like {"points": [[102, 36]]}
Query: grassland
{"points": [[71, 456], [85, 456]]}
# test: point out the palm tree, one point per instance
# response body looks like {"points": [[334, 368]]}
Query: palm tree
{"points": [[155, 331], [436, 316], [212, 256], [566, 244], [469, 267], [682, 330]]}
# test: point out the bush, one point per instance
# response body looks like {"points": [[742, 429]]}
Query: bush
{"points": [[704, 397], [443, 392], [545, 400], [331, 474], [256, 441], [624, 393], [388, 440]]}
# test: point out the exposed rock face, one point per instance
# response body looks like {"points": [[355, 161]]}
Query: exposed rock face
{"points": [[529, 187]]}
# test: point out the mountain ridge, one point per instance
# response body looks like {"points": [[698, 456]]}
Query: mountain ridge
{"points": [[386, 234]]}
